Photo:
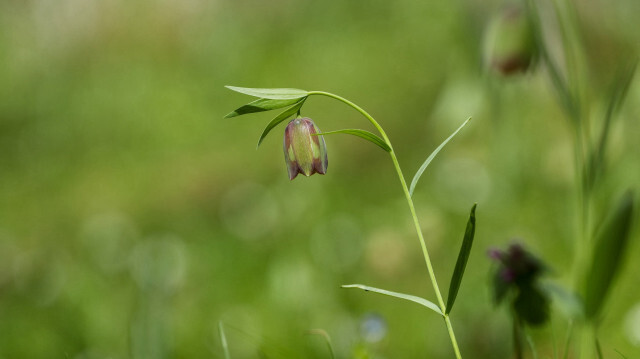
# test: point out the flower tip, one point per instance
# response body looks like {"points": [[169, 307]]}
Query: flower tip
{"points": [[494, 253]]}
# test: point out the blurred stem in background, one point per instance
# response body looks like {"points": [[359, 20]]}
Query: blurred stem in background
{"points": [[569, 99], [598, 255]]}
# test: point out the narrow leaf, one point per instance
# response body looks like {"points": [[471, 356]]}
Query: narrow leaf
{"points": [[463, 257], [281, 117], [362, 134], [623, 83], [568, 303], [263, 104], [622, 355], [327, 339], [567, 342], [408, 297], [432, 156], [610, 245], [274, 94], [618, 95], [532, 345], [223, 340], [599, 349]]}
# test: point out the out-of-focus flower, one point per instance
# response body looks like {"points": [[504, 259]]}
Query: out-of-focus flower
{"points": [[303, 152], [517, 277], [510, 45], [373, 328]]}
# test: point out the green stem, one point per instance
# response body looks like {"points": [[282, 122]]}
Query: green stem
{"points": [[570, 101], [583, 201], [567, 342], [407, 195], [223, 340], [588, 342], [357, 108], [532, 345], [518, 351], [570, 98]]}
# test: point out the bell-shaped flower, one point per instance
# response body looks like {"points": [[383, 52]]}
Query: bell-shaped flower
{"points": [[510, 45], [304, 152]]}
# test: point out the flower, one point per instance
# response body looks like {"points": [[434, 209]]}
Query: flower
{"points": [[518, 274], [304, 152], [509, 42], [517, 265]]}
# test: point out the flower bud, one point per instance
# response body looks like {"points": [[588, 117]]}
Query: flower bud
{"points": [[303, 152], [510, 45]]}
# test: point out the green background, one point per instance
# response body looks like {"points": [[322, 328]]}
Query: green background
{"points": [[133, 217]]}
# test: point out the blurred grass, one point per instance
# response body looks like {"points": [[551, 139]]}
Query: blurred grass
{"points": [[133, 218]]}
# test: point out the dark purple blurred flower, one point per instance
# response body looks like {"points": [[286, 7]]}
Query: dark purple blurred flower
{"points": [[303, 152], [517, 275], [516, 264]]}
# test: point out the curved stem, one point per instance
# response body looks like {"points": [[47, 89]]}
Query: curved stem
{"points": [[359, 109], [416, 223]]}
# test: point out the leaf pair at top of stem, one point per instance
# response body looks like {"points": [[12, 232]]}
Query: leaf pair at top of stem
{"points": [[272, 99], [293, 99]]}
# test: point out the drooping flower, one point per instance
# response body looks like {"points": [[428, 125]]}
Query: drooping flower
{"points": [[510, 45], [303, 152]]}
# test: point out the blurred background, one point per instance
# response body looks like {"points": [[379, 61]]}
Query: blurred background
{"points": [[133, 217]]}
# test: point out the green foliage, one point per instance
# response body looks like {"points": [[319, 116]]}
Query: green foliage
{"points": [[411, 298], [362, 134], [463, 257], [327, 339], [568, 302], [286, 114], [223, 340], [599, 349], [608, 254], [622, 355], [618, 95], [426, 163], [260, 105], [273, 94], [107, 141], [532, 305]]}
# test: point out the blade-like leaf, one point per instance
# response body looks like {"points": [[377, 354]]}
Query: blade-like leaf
{"points": [[599, 349], [617, 98], [432, 156], [281, 117], [463, 257], [568, 303], [362, 134], [263, 104], [223, 340], [274, 94], [611, 241], [532, 345], [622, 355], [411, 298], [327, 339], [567, 341]]}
